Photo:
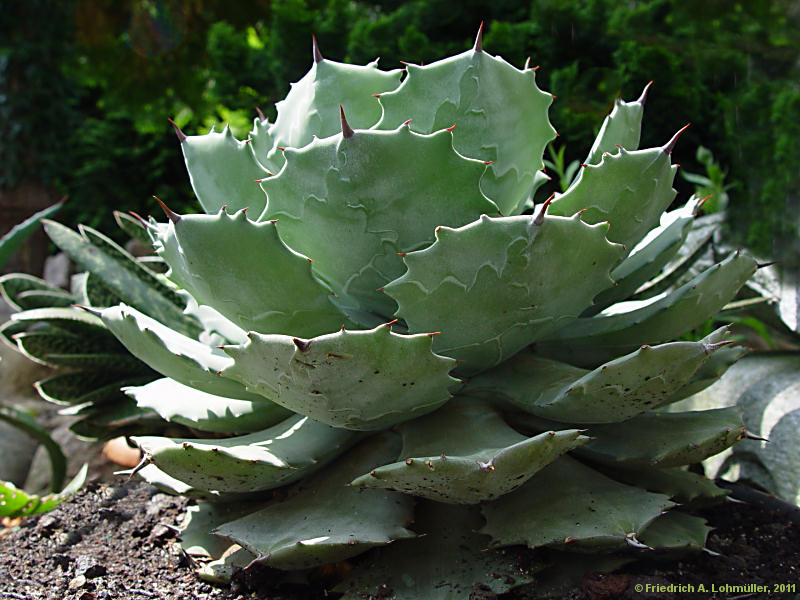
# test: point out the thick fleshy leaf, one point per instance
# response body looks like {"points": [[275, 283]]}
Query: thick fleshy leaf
{"points": [[336, 205], [499, 112], [568, 503], [94, 386], [261, 144], [263, 460], [629, 189], [324, 521], [591, 341], [196, 538], [648, 257], [210, 257], [64, 350], [16, 236], [223, 172], [509, 278], [661, 439], [362, 380], [449, 562], [682, 486], [168, 484], [615, 391], [312, 106], [17, 290], [184, 405], [440, 462], [132, 282], [676, 531], [172, 354], [622, 127]]}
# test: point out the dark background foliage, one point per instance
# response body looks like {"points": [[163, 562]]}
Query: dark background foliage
{"points": [[86, 86]]}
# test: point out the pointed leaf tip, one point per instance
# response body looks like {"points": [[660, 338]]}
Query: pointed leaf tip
{"points": [[315, 48], [479, 39], [178, 132], [261, 116], [91, 311], [539, 219], [172, 216], [670, 145], [347, 131], [709, 348], [527, 64], [643, 97]]}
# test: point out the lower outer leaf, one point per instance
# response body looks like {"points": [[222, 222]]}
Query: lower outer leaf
{"points": [[676, 531], [181, 404], [449, 562], [617, 390], [323, 520], [666, 439], [258, 461], [440, 462], [601, 514]]}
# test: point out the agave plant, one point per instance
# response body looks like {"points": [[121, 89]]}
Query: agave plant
{"points": [[423, 361]]}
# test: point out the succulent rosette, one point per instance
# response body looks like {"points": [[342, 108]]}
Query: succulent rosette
{"points": [[414, 358]]}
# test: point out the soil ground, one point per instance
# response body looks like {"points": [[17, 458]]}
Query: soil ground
{"points": [[116, 542]]}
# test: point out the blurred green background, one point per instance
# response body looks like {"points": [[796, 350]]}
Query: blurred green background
{"points": [[86, 87]]}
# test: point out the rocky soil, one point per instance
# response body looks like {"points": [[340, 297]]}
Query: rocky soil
{"points": [[116, 542]]}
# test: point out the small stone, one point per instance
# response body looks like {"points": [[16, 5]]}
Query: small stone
{"points": [[49, 522], [161, 532], [111, 494], [87, 566], [77, 583]]}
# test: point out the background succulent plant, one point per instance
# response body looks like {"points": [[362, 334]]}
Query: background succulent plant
{"points": [[410, 346]]}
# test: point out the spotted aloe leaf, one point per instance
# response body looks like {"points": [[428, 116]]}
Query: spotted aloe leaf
{"points": [[26, 292], [17, 235], [333, 194], [440, 462], [133, 283], [508, 278], [499, 112]]}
